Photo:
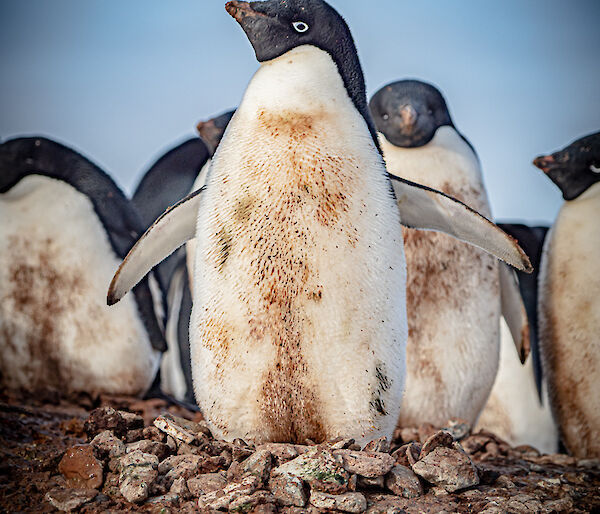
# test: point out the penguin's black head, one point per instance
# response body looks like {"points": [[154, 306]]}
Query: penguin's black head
{"points": [[575, 168], [211, 131], [409, 112], [275, 27]]}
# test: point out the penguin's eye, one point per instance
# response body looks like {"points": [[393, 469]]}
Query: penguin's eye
{"points": [[300, 26], [386, 116], [595, 167]]}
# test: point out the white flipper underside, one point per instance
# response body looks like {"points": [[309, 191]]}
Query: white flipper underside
{"points": [[172, 229], [513, 311], [427, 209]]}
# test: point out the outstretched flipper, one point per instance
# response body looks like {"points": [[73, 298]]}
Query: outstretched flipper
{"points": [[425, 208], [513, 311], [176, 226]]}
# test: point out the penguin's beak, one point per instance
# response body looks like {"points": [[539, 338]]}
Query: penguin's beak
{"points": [[241, 10], [544, 162], [409, 118]]}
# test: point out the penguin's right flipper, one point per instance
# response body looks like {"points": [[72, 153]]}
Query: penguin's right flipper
{"points": [[424, 208], [513, 311], [176, 226]]}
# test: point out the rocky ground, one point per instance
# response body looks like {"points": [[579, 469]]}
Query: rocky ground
{"points": [[97, 454]]}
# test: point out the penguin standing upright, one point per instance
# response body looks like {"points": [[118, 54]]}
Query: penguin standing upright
{"points": [[517, 409], [569, 296], [298, 326], [180, 170], [65, 225], [453, 289]]}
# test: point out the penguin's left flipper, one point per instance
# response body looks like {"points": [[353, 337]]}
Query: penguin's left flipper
{"points": [[513, 311], [172, 229], [425, 208]]}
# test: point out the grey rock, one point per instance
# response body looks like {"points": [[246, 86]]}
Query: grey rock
{"points": [[320, 468], [180, 488], [458, 428], [180, 466], [366, 464], [369, 483], [161, 450], [138, 471], [248, 502], [206, 483], [447, 467], [403, 482], [282, 452], [378, 445], [347, 502], [108, 444], [179, 428], [341, 443], [221, 499], [288, 489], [258, 464], [68, 500], [440, 438]]}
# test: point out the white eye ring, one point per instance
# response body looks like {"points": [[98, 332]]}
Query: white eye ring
{"points": [[386, 116], [300, 26], [594, 169]]}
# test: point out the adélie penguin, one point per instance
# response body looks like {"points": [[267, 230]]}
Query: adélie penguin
{"points": [[518, 409], [299, 326], [173, 176], [65, 225], [453, 289], [569, 296]]}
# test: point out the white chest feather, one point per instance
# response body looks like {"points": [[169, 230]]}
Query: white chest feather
{"points": [[55, 327], [569, 313], [453, 304], [298, 328]]}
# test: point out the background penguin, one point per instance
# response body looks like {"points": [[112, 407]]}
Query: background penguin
{"points": [[65, 226], [518, 409], [453, 289], [167, 181], [569, 296], [298, 325]]}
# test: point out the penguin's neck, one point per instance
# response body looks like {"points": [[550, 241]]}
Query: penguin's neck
{"points": [[304, 80]]}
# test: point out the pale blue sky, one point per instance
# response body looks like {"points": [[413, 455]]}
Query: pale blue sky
{"points": [[122, 81]]}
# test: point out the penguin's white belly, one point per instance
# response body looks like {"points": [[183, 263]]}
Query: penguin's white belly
{"points": [[453, 300], [55, 327], [569, 314], [513, 410], [298, 327]]}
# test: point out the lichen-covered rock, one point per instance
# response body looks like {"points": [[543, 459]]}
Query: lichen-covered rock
{"points": [[108, 444], [68, 500], [403, 482], [138, 471], [206, 483], [366, 464], [222, 498], [179, 428], [258, 464], [81, 469], [248, 502], [347, 502], [319, 468], [449, 468], [288, 489]]}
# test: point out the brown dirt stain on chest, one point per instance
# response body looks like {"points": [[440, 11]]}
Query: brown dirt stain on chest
{"points": [[294, 185], [440, 271]]}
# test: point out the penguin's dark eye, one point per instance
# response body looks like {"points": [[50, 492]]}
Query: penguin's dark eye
{"points": [[386, 116], [595, 167], [300, 26]]}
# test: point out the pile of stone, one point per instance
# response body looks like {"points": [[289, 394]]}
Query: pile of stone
{"points": [[177, 463]]}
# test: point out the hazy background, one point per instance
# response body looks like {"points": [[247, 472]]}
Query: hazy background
{"points": [[123, 81]]}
